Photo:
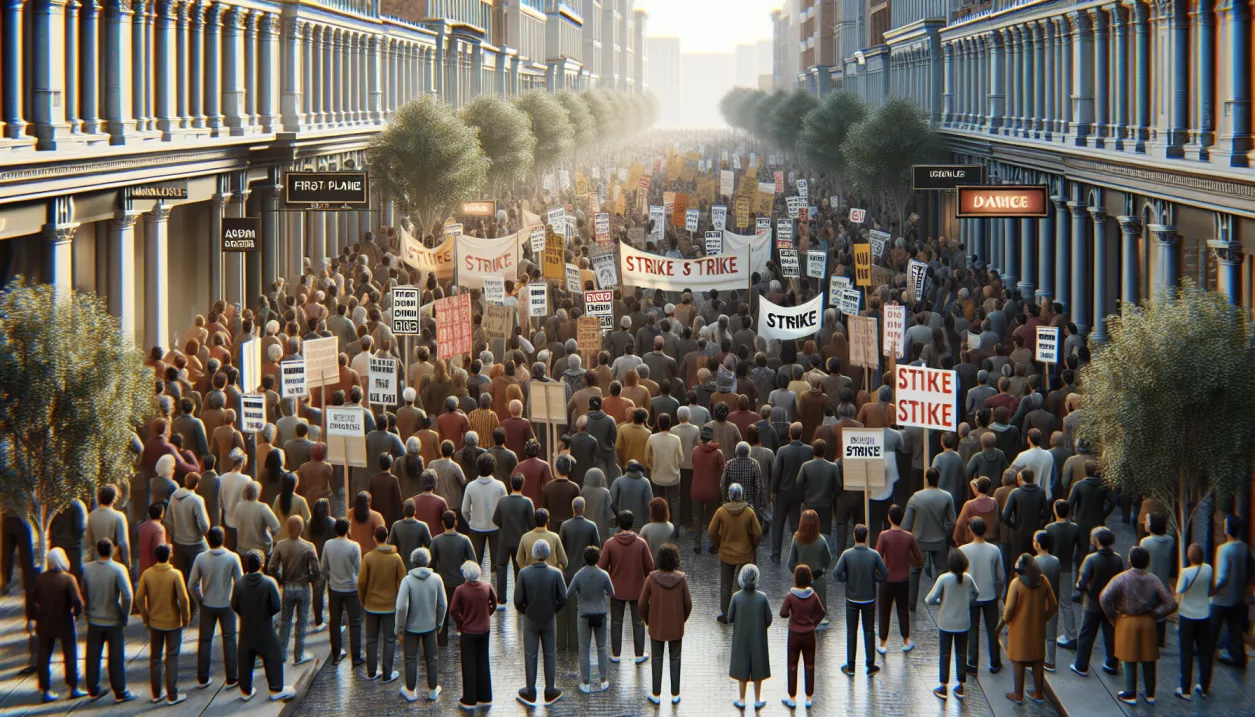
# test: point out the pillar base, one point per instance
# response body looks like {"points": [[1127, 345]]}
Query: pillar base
{"points": [[59, 136], [1026, 288], [1044, 294]]}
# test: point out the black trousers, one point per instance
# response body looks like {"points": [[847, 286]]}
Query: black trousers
{"points": [[168, 643], [703, 513], [381, 642], [616, 627], [1195, 638], [271, 659], [956, 641], [1091, 623], [989, 610], [878, 520], [427, 641], [673, 654], [493, 539], [17, 537], [801, 646], [790, 508], [889, 594], [1233, 617], [69, 653], [509, 556], [350, 603], [211, 617], [476, 669], [97, 638], [825, 517], [847, 512], [686, 497], [184, 556], [854, 613], [727, 583], [938, 558]]}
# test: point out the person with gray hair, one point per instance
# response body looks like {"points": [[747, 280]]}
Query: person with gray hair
{"points": [[470, 609], [539, 594], [231, 492], [734, 534], [420, 610], [749, 612], [746, 472]]}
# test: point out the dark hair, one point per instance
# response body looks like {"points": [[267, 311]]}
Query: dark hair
{"points": [[361, 507], [1139, 557], [933, 476], [1158, 523], [977, 526], [1027, 566], [1104, 536], [287, 487], [626, 520], [956, 562], [252, 561], [104, 547], [107, 495], [659, 510], [807, 528], [320, 516], [1027, 475], [668, 557], [448, 519], [542, 517], [1044, 539], [155, 510], [860, 533], [162, 553], [896, 513], [485, 464], [802, 576], [342, 527], [591, 555], [983, 484], [381, 534], [1062, 508], [819, 447]]}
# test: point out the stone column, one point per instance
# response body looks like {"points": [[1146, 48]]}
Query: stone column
{"points": [[1099, 215], [196, 63], [59, 257], [270, 233], [337, 74], [1102, 84], [1141, 68], [12, 59], [118, 105], [1046, 256], [1167, 245], [1235, 119], [252, 79], [996, 246], [947, 97], [344, 238], [122, 269], [296, 74], [181, 50], [294, 254], [1203, 87], [1028, 230], [233, 69], [330, 77], [1120, 26], [48, 72], [139, 70], [164, 74], [374, 73], [1062, 251], [1229, 279], [997, 83], [157, 277], [1082, 121], [1036, 73], [1173, 32], [213, 67], [389, 214], [270, 66], [353, 228], [1082, 255], [216, 205], [317, 237], [1010, 252], [976, 231], [1050, 72], [89, 84], [234, 261], [1130, 267]]}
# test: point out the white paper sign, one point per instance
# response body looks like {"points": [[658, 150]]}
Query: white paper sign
{"points": [[727, 179], [606, 269], [834, 290], [453, 230], [253, 406], [789, 263], [784, 230], [917, 276], [925, 397], [346, 421], [658, 215], [878, 240], [795, 205], [690, 220], [623, 174], [863, 445], [538, 299], [816, 263], [557, 218], [383, 380], [292, 373], [564, 179], [858, 215], [602, 223], [601, 305], [714, 243], [537, 240], [850, 301], [494, 290], [719, 216], [789, 322], [1047, 344], [405, 320], [573, 278], [894, 329], [802, 187]]}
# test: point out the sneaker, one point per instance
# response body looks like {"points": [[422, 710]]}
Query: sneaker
{"points": [[586, 688], [808, 703], [789, 702], [614, 659], [908, 646], [465, 706], [552, 696], [180, 699], [760, 705], [1018, 700], [527, 697], [1199, 689], [319, 627], [246, 696], [303, 660], [995, 669], [1128, 698], [393, 677], [1150, 699], [127, 696], [675, 700], [501, 607], [409, 696], [1039, 697], [158, 698], [641, 659], [958, 692], [1182, 694], [971, 669], [847, 670], [881, 649], [739, 704], [434, 694], [1109, 669], [1079, 671], [654, 699], [51, 696], [941, 691], [287, 693], [76, 694], [722, 620], [1067, 644], [605, 685], [873, 669], [1049, 667], [231, 684], [336, 660], [371, 676], [205, 685]]}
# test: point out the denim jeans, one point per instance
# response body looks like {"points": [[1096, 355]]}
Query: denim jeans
{"points": [[958, 642], [296, 601], [586, 636]]}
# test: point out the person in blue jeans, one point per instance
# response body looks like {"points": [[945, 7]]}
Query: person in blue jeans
{"points": [[955, 592], [1234, 566], [860, 568], [985, 567]]}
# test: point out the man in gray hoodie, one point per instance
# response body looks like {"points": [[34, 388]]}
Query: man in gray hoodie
{"points": [[211, 581], [107, 587], [539, 594], [632, 491], [188, 521], [421, 608], [597, 501], [930, 518], [860, 568], [341, 562]]}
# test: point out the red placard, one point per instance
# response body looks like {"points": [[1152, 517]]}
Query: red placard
{"points": [[453, 326]]}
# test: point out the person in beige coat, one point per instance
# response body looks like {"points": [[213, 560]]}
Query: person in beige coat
{"points": [[1031, 602], [664, 456]]}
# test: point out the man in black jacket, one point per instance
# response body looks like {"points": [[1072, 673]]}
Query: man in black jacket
{"points": [[256, 600], [1097, 570], [786, 494], [538, 596], [1091, 500], [1025, 513]]}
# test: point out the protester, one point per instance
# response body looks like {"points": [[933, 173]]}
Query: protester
{"points": [[665, 605], [1134, 600], [107, 587], [1193, 624], [1031, 603], [860, 568], [420, 610], [54, 604], [1098, 569], [294, 562], [449, 551], [341, 563], [211, 582], [804, 611], [985, 562], [1234, 571], [471, 608], [749, 613], [590, 587], [162, 600], [930, 518], [377, 586], [902, 557], [255, 599], [539, 594], [734, 535], [809, 548], [956, 593]]}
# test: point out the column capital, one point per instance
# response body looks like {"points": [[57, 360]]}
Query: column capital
{"points": [[1098, 213], [125, 219], [160, 213], [1078, 21], [1078, 209], [60, 233], [271, 24], [1130, 225], [218, 201], [1164, 233], [1227, 253]]}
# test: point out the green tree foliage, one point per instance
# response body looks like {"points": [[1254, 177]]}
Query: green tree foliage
{"points": [[427, 160], [785, 123], [880, 151], [583, 126], [551, 126], [760, 117], [505, 135], [74, 390], [737, 106], [824, 129], [602, 106], [1167, 400]]}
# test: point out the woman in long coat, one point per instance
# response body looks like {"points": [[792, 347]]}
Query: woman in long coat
{"points": [[749, 613], [1031, 602], [54, 605], [1134, 600]]}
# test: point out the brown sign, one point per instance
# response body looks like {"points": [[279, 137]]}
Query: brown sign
{"points": [[588, 334], [863, 349], [498, 321], [1004, 200]]}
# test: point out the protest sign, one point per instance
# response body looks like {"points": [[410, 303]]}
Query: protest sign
{"points": [[863, 345], [690, 220], [850, 301], [863, 459], [383, 381], [600, 304], [802, 188], [499, 321], [250, 364], [795, 205], [726, 271], [789, 263], [602, 224], [322, 362], [857, 215], [292, 375], [573, 278], [253, 408], [438, 261], [879, 240], [762, 225], [555, 257], [719, 216], [556, 217], [894, 329], [494, 289], [588, 334], [779, 183], [916, 278], [789, 322], [581, 186], [477, 258], [453, 326], [759, 246], [863, 265], [714, 243], [726, 180], [658, 215], [346, 436], [605, 269], [564, 179], [816, 264], [405, 302], [784, 233], [538, 299], [835, 285], [537, 239], [925, 397], [1047, 344]]}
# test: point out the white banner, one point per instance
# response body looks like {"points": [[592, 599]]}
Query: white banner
{"points": [[383, 380], [759, 248], [789, 322], [478, 258], [438, 261], [894, 329], [730, 270], [925, 397]]}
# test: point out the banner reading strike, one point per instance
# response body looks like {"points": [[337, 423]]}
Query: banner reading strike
{"points": [[438, 261], [730, 270], [926, 397], [478, 258], [789, 322]]}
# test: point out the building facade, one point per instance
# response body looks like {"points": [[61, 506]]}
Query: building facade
{"points": [[129, 129], [1136, 115]]}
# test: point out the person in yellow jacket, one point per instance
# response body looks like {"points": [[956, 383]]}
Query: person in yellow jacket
{"points": [[378, 582], [161, 598]]}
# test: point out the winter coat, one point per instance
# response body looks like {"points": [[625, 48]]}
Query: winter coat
{"points": [[665, 604], [627, 558]]}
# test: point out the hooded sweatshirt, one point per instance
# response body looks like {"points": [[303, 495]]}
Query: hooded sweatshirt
{"points": [[633, 492], [107, 589], [479, 503], [421, 602], [708, 464], [188, 519], [214, 575], [989, 463], [627, 558], [256, 600], [803, 609], [590, 587], [597, 501], [380, 578], [665, 604], [735, 533], [162, 598], [515, 516]]}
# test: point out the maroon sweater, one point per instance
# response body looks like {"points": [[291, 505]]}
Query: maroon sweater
{"points": [[899, 551], [472, 605], [627, 558], [803, 613], [708, 463]]}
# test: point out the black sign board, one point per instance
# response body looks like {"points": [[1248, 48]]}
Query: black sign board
{"points": [[241, 234], [947, 176], [327, 190]]}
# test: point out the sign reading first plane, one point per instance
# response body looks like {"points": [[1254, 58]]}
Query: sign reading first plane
{"points": [[327, 190]]}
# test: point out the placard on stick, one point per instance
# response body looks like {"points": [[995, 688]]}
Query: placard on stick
{"points": [[322, 361], [383, 381], [346, 436], [863, 342], [292, 374], [548, 403], [253, 406]]}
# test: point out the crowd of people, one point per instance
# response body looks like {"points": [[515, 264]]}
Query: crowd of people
{"points": [[686, 430]]}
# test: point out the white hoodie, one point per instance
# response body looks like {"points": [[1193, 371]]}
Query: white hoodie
{"points": [[188, 520], [479, 503]]}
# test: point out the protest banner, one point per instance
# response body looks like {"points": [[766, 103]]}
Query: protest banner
{"points": [[690, 220], [714, 243], [850, 301], [438, 261], [383, 381], [346, 437], [863, 265], [453, 326], [477, 258], [726, 271], [499, 322], [601, 305], [1047, 344], [789, 263], [555, 257], [573, 278], [863, 344], [719, 216], [538, 299], [253, 408], [758, 245], [925, 397], [916, 278], [405, 302], [894, 329], [816, 264], [292, 375], [789, 322], [494, 289], [857, 215]]}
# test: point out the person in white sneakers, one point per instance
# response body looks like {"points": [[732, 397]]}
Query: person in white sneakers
{"points": [[256, 600], [421, 608], [211, 582]]}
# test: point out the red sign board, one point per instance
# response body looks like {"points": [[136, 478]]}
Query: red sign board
{"points": [[453, 326]]}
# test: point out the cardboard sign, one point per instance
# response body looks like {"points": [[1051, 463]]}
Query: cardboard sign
{"points": [[719, 216], [714, 243], [863, 458], [784, 233], [894, 329], [858, 215], [494, 290], [600, 304], [789, 322], [727, 179], [499, 322], [382, 386], [863, 345], [346, 435], [789, 263], [917, 277], [538, 299], [573, 278], [547, 402], [581, 186], [690, 219], [537, 240], [1047, 344], [850, 299], [322, 361], [588, 334], [292, 378], [605, 268], [253, 408], [779, 177], [802, 188], [925, 398], [405, 303], [555, 257], [453, 326], [816, 264], [863, 264]]}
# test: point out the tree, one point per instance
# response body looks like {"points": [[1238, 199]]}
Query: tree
{"points": [[551, 126], [737, 104], [75, 388], [505, 135], [785, 123], [604, 114], [427, 160], [1167, 400], [583, 126], [824, 129], [880, 151], [759, 119]]}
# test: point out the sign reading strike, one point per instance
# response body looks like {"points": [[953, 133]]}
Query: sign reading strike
{"points": [[405, 310], [254, 409], [894, 329], [601, 305], [1048, 344], [537, 299], [864, 445], [292, 373], [726, 271], [926, 397], [383, 380], [453, 325], [478, 258], [789, 322]]}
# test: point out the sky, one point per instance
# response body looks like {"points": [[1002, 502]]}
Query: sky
{"points": [[710, 25]]}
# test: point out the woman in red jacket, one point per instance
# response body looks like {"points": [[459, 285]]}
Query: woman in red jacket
{"points": [[804, 611], [708, 463], [472, 605]]}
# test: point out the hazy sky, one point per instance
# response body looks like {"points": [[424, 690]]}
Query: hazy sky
{"points": [[710, 25]]}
